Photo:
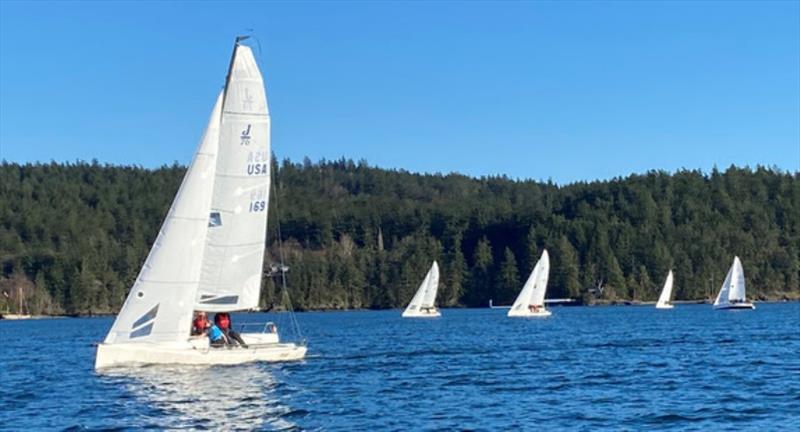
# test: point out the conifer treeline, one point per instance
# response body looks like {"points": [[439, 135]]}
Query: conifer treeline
{"points": [[73, 236]]}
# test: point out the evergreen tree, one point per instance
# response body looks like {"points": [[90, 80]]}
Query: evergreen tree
{"points": [[76, 235], [532, 252], [564, 270], [508, 283], [481, 285]]}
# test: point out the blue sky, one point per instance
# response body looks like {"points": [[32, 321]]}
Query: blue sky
{"points": [[565, 91]]}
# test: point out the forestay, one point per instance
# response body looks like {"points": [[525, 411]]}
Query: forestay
{"points": [[234, 250], [159, 306], [666, 292], [535, 287]]}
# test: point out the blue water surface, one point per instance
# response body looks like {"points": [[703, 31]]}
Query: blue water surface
{"points": [[585, 368]]}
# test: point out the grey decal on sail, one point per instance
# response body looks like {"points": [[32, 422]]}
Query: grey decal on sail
{"points": [[144, 331], [149, 316], [221, 300]]}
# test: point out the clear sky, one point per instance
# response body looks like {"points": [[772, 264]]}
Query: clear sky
{"points": [[561, 90]]}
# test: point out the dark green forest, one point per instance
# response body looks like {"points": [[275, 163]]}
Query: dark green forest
{"points": [[73, 236]]}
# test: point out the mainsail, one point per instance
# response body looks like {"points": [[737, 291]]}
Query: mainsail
{"points": [[733, 288], [167, 283], [429, 298], [533, 291], [425, 296], [234, 249], [666, 292]]}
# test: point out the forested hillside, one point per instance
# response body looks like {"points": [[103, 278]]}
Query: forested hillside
{"points": [[73, 236]]}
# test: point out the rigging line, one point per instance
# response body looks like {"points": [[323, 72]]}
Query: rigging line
{"points": [[285, 297]]}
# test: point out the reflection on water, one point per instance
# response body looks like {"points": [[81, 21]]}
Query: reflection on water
{"points": [[240, 397]]}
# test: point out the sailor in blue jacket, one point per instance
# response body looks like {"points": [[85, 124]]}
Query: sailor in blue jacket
{"points": [[216, 336]]}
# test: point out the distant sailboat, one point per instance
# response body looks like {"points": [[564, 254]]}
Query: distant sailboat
{"points": [[422, 305], [209, 253], [20, 315], [732, 295], [666, 293], [530, 302]]}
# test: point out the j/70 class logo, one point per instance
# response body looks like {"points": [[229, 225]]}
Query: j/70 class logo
{"points": [[246, 136]]}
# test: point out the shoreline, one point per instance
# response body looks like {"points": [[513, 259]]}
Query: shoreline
{"points": [[601, 303]]}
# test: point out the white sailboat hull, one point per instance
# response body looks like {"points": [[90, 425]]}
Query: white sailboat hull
{"points": [[261, 348], [419, 314], [16, 316], [664, 306], [744, 305], [526, 313]]}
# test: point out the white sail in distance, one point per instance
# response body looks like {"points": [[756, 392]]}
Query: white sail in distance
{"points": [[159, 306], [533, 292], [666, 293], [234, 249], [429, 298], [425, 297]]}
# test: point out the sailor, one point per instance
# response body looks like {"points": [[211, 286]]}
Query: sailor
{"points": [[216, 337], [223, 321], [199, 324]]}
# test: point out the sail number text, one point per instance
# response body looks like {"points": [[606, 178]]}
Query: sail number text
{"points": [[258, 206]]}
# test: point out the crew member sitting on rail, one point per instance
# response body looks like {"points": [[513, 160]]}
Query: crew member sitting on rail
{"points": [[199, 324], [223, 321]]}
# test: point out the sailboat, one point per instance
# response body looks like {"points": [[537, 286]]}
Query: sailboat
{"points": [[731, 295], [666, 293], [209, 253], [20, 315], [530, 301], [422, 304]]}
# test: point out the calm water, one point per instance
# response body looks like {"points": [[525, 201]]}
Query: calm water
{"points": [[617, 368]]}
